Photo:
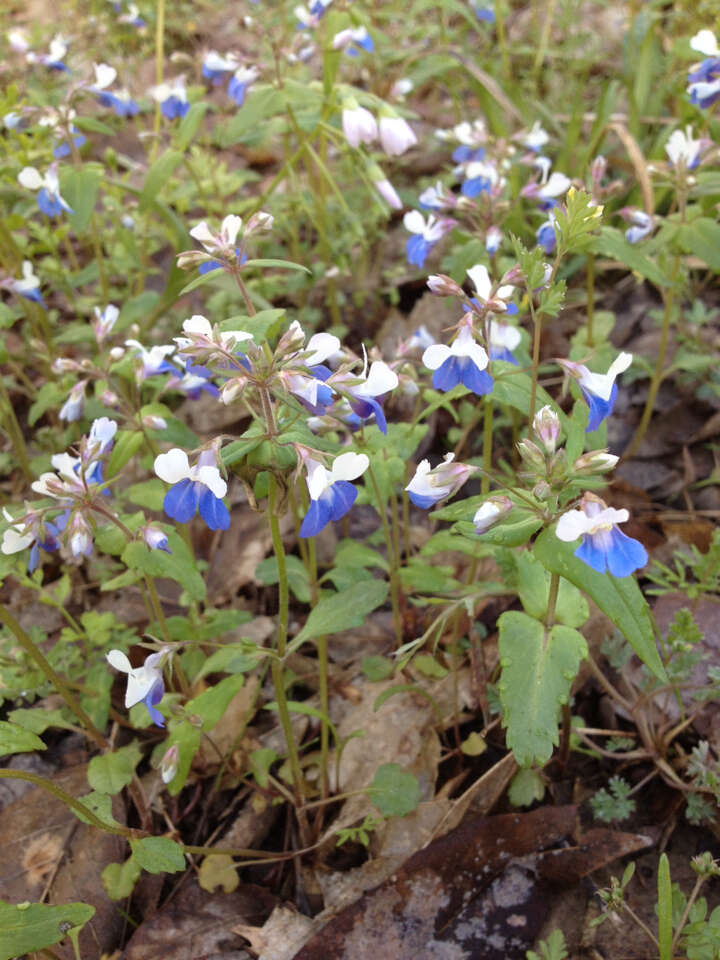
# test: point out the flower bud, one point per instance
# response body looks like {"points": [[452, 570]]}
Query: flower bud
{"points": [[531, 454], [155, 538], [596, 461], [110, 398], [546, 426], [491, 512], [190, 259], [542, 490], [443, 286], [117, 353], [259, 222], [169, 764], [79, 536], [514, 277], [153, 422]]}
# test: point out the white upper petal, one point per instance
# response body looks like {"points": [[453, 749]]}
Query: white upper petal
{"points": [[349, 466], [65, 465], [319, 479], [201, 232], [230, 228], [606, 518], [381, 379], [436, 355], [480, 280], [556, 185], [172, 466], [29, 177], [210, 477], [572, 525], [198, 325], [14, 541], [465, 345], [704, 42], [504, 335], [414, 221], [620, 365], [104, 75], [139, 684], [323, 346], [117, 659]]}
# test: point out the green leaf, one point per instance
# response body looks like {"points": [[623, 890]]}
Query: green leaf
{"points": [[394, 791], [16, 739], [33, 926], [100, 804], [119, 879], [538, 669], [212, 703], [515, 531], [38, 720], [343, 610], [702, 238], [158, 854], [515, 390], [190, 124], [264, 324], [263, 103], [260, 762], [267, 572], [534, 587], [177, 565], [79, 186], [285, 264], [352, 553], [110, 772], [158, 175], [664, 908], [377, 668], [231, 658], [526, 788], [149, 494], [620, 599], [611, 243], [127, 443]]}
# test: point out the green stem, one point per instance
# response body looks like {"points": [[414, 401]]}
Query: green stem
{"points": [[159, 65], [537, 334], [659, 366], [487, 445], [276, 666], [590, 279], [394, 583], [548, 13], [14, 432], [60, 685], [502, 38]]}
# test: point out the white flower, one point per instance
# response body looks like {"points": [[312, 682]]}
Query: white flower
{"points": [[464, 345], [359, 125], [348, 466], [683, 149], [481, 281], [104, 76]]}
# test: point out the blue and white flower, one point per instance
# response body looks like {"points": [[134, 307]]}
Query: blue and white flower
{"points": [[430, 486], [193, 488], [353, 40], [484, 297], [425, 234], [535, 138], [104, 321], [504, 338], [154, 538], [704, 81], [464, 361], [215, 65], [49, 200], [604, 547], [73, 407], [172, 98], [641, 224], [151, 362], [239, 83], [331, 492], [53, 59], [480, 177], [683, 150], [598, 389], [31, 531], [364, 391], [437, 197], [144, 684], [493, 239], [29, 286], [545, 234], [132, 16]]}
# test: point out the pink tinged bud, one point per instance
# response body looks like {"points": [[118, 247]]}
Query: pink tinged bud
{"points": [[153, 422], [79, 536], [491, 512], [259, 222], [73, 407], [359, 125], [110, 398], [443, 286], [190, 259], [596, 461], [169, 764], [117, 353], [388, 193], [514, 277], [546, 426], [396, 135], [598, 168]]}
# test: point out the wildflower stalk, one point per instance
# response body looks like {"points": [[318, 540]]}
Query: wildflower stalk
{"points": [[392, 560], [487, 444], [502, 38], [537, 334], [159, 65], [277, 665], [657, 376], [14, 432], [590, 282], [54, 678]]}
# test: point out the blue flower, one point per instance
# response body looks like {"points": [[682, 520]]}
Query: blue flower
{"points": [[331, 493], [704, 81], [193, 488], [429, 486], [31, 532], [215, 66], [63, 149], [604, 547], [172, 98], [545, 235], [240, 81], [29, 286], [598, 389], [424, 235], [464, 362], [49, 200], [365, 390], [353, 40]]}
